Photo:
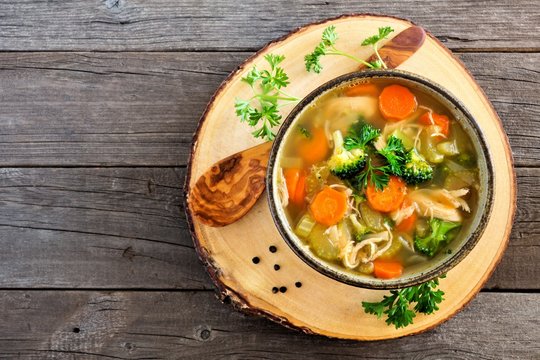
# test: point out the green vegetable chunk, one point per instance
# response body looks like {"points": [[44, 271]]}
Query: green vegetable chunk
{"points": [[397, 305], [345, 163], [416, 169], [429, 245]]}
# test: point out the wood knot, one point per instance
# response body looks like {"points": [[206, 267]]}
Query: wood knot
{"points": [[111, 4], [203, 333], [129, 253]]}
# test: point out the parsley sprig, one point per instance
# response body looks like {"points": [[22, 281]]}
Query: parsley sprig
{"points": [[360, 134], [327, 46], [375, 175], [374, 41], [263, 107], [394, 153], [397, 305]]}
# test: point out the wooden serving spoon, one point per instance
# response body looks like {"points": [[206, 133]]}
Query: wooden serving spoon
{"points": [[229, 189]]}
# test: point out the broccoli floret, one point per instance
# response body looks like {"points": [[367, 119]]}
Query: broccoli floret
{"points": [[416, 169], [345, 163], [430, 244]]}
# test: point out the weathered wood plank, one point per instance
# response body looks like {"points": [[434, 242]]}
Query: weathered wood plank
{"points": [[111, 109], [76, 228], [194, 325], [225, 25], [125, 228]]}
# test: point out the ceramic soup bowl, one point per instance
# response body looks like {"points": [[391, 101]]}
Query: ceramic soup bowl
{"points": [[458, 248]]}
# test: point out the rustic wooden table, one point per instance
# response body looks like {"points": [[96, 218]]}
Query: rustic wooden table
{"points": [[98, 104]]}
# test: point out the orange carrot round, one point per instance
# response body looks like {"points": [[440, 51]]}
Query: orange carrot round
{"points": [[388, 199], [396, 102], [291, 179], [329, 206], [300, 192], [387, 269], [315, 148], [364, 89], [442, 121], [407, 225]]}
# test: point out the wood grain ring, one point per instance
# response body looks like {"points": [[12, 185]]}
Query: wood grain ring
{"points": [[227, 252]]}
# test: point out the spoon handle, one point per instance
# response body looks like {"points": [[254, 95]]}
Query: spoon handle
{"points": [[229, 189]]}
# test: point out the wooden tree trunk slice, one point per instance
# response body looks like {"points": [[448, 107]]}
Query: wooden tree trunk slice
{"points": [[321, 305]]}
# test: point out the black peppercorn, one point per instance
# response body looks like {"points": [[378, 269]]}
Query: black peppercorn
{"points": [[298, 284], [282, 289], [256, 260], [277, 267], [275, 290], [272, 249]]}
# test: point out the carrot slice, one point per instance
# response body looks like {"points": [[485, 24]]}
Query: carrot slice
{"points": [[291, 179], [442, 121], [300, 192], [329, 206], [388, 199], [407, 225], [387, 269], [315, 148], [396, 102], [366, 89]]}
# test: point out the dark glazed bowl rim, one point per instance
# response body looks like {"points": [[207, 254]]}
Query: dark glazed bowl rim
{"points": [[430, 273]]}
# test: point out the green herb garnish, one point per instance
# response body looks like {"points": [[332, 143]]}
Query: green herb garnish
{"points": [[327, 47], [374, 175], [304, 131], [374, 40], [360, 134], [263, 105], [394, 153], [397, 305]]}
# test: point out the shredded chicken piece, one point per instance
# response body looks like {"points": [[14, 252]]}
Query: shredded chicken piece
{"points": [[458, 194], [373, 246], [417, 139], [328, 133], [403, 213], [390, 127], [407, 241], [440, 203], [282, 189], [342, 187], [355, 223], [342, 112], [339, 235]]}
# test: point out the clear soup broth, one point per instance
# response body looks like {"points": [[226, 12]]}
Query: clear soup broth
{"points": [[377, 177]]}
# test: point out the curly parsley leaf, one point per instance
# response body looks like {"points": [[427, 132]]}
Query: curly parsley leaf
{"points": [[383, 33], [304, 131], [374, 42], [394, 153], [327, 47], [374, 175], [396, 306], [360, 134], [262, 109], [328, 39]]}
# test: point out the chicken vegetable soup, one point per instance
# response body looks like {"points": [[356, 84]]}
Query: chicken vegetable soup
{"points": [[376, 177]]}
